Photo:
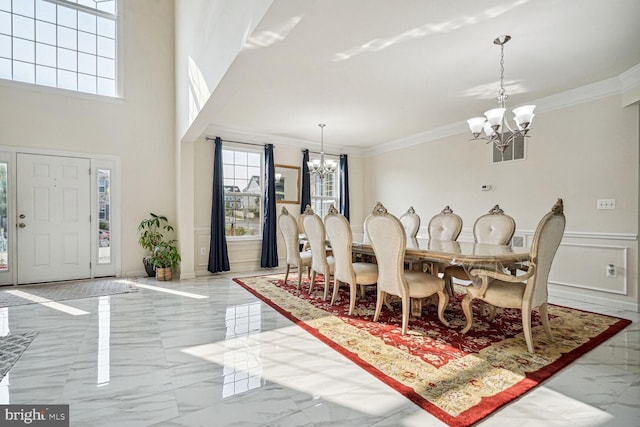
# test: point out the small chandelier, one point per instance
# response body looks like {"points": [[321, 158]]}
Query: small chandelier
{"points": [[321, 167], [494, 122]]}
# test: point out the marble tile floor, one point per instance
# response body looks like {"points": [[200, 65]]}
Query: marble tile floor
{"points": [[214, 355]]}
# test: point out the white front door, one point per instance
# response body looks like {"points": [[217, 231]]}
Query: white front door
{"points": [[54, 218]]}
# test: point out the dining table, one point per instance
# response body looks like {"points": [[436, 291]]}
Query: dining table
{"points": [[452, 252], [441, 253]]}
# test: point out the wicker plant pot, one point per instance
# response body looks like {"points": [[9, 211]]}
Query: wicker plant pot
{"points": [[163, 274]]}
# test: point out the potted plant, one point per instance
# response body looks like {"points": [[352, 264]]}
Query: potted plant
{"points": [[151, 233], [165, 258]]}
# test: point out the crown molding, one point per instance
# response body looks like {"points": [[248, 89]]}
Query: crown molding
{"points": [[630, 78], [579, 95], [263, 138]]}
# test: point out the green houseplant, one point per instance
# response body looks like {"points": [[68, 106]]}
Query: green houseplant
{"points": [[151, 232], [165, 258]]}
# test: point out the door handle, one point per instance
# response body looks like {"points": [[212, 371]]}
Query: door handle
{"points": [[21, 216], [22, 225]]}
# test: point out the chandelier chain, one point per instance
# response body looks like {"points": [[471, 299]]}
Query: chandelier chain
{"points": [[502, 91]]}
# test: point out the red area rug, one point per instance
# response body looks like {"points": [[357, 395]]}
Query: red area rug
{"points": [[458, 378]]}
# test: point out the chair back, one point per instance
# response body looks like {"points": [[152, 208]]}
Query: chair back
{"points": [[289, 229], [341, 238], [543, 249], [389, 241], [411, 222], [445, 226], [495, 227], [316, 235]]}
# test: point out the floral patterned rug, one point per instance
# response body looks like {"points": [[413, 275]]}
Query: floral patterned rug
{"points": [[458, 378]]}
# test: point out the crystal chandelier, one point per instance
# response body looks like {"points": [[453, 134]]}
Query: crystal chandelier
{"points": [[494, 122], [321, 167]]}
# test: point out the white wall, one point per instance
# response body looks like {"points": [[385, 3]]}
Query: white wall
{"points": [[208, 36], [139, 129], [581, 154]]}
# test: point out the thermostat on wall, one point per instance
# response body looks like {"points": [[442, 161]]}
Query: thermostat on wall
{"points": [[486, 187]]}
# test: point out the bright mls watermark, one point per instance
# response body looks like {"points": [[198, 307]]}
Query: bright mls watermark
{"points": [[34, 415]]}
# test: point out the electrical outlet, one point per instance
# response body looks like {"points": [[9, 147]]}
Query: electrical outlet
{"points": [[606, 204], [611, 270]]}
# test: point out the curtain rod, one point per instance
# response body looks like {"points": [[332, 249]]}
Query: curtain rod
{"points": [[329, 154], [235, 142], [208, 138]]}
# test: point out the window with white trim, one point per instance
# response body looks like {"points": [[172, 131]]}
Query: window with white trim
{"points": [[325, 192], [242, 171], [67, 44]]}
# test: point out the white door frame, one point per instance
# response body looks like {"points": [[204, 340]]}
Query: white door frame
{"points": [[8, 154]]}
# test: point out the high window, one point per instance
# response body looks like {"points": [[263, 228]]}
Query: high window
{"points": [[242, 171], [68, 44], [324, 192]]}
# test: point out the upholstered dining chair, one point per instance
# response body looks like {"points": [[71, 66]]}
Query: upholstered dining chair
{"points": [[320, 262], [345, 270], [411, 222], [290, 232], [445, 226], [527, 291], [495, 228], [389, 241]]}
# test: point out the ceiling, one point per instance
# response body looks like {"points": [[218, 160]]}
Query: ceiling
{"points": [[379, 71]]}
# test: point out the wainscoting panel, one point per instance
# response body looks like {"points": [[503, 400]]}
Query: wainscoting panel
{"points": [[584, 265], [244, 255]]}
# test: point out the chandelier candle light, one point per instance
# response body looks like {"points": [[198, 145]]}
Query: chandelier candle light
{"points": [[494, 122], [321, 167]]}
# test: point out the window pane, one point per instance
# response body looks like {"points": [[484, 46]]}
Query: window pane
{"points": [[240, 158], [106, 87], [67, 59], [87, 22], [227, 171], [67, 80], [87, 64], [254, 159], [240, 172], [45, 76], [106, 68], [5, 23], [106, 27], [23, 27], [5, 68], [254, 172], [107, 6], [227, 156], [106, 47], [45, 55], [67, 38], [5, 46], [87, 83], [104, 216], [23, 72], [45, 32], [46, 11], [86, 42], [23, 7], [5, 5], [4, 220], [67, 17]]}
